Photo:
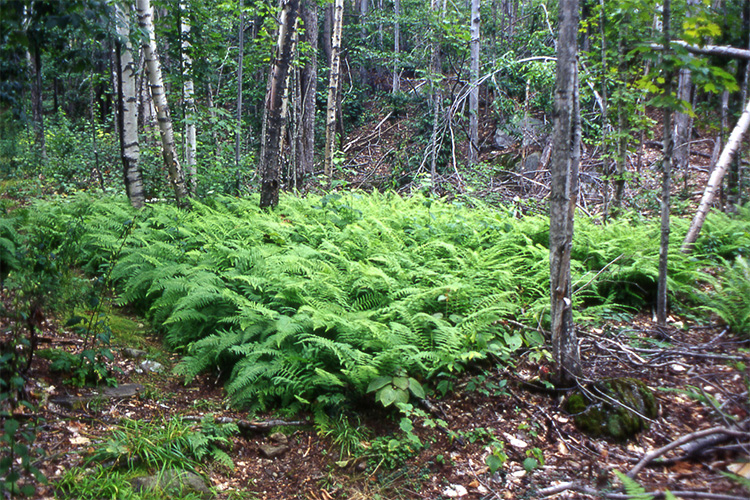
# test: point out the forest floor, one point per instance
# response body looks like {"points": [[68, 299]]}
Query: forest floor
{"points": [[696, 371]]}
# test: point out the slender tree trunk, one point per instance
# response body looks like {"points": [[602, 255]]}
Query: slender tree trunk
{"points": [[734, 180], [474, 94], [622, 142], [682, 122], [188, 92], [176, 176], [127, 110], [565, 159], [308, 87], [396, 46], [436, 89], [240, 78], [34, 57], [270, 154], [661, 297], [327, 31], [733, 144], [333, 85]]}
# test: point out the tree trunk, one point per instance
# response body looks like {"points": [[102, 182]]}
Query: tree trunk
{"points": [[396, 86], [565, 159], [436, 89], [333, 85], [188, 92], [661, 294], [34, 57], [308, 86], [153, 67], [733, 144], [240, 68], [474, 94], [682, 122], [270, 154], [127, 110]]}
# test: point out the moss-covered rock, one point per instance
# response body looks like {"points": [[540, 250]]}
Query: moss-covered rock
{"points": [[601, 415]]}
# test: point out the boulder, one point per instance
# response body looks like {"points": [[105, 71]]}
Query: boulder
{"points": [[173, 483]]}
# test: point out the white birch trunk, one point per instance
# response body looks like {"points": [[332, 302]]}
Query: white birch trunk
{"points": [[127, 115], [156, 84], [396, 46], [188, 92], [333, 85], [474, 94]]}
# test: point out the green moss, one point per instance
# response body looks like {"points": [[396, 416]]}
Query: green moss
{"points": [[608, 413]]}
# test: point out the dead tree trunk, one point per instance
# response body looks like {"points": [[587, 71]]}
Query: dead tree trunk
{"points": [[733, 144], [270, 154], [565, 159]]}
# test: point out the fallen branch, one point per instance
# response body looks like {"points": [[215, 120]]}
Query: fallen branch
{"points": [[679, 442], [247, 425], [574, 486]]}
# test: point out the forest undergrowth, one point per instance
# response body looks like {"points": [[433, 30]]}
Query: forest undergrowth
{"points": [[335, 300]]}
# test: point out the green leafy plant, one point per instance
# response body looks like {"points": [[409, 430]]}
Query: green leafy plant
{"points": [[497, 456], [396, 389]]}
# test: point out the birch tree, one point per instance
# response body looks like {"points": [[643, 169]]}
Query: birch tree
{"points": [[474, 94], [333, 85], [163, 115], [565, 159], [308, 86], [188, 93], [274, 105], [127, 110]]}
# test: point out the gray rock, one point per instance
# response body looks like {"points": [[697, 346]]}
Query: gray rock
{"points": [[173, 483], [504, 140], [272, 451], [131, 353], [150, 366], [533, 162], [279, 437]]}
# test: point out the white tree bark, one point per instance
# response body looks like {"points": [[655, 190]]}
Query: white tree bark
{"points": [[396, 46], [474, 94], [333, 85], [564, 163], [163, 115], [238, 126], [188, 92], [727, 154], [127, 110]]}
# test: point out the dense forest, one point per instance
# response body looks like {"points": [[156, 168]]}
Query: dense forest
{"points": [[374, 249]]}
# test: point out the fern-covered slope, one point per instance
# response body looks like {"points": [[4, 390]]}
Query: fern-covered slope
{"points": [[326, 293]]}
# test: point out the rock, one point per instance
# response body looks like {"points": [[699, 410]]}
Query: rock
{"points": [[173, 482], [279, 437], [533, 162], [131, 353], [273, 451], [149, 366], [504, 140], [455, 491], [601, 417]]}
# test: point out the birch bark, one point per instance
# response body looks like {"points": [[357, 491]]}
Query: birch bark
{"points": [[333, 85], [188, 93], [474, 94], [127, 110], [163, 115]]}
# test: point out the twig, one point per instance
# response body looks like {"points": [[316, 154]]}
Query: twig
{"points": [[600, 272], [679, 442], [575, 486]]}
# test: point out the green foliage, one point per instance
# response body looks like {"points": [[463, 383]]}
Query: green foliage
{"points": [[174, 443], [328, 294], [634, 490]]}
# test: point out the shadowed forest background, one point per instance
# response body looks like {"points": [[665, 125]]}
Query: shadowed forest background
{"points": [[374, 249]]}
